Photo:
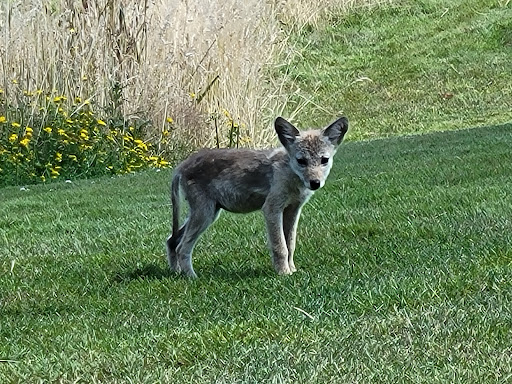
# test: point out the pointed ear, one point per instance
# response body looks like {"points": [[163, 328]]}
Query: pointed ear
{"points": [[286, 132], [336, 131]]}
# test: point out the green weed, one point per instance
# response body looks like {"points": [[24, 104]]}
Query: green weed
{"points": [[43, 140]]}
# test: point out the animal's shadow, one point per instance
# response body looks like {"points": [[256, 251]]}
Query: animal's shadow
{"points": [[153, 271], [148, 271]]}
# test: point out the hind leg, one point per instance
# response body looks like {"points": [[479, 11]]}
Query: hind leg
{"points": [[171, 243], [200, 218]]}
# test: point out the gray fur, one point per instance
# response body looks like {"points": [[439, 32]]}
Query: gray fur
{"points": [[277, 181]]}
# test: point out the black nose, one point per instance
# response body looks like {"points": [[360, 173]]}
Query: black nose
{"points": [[314, 184]]}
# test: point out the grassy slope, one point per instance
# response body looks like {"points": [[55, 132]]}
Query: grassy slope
{"points": [[407, 275], [415, 67]]}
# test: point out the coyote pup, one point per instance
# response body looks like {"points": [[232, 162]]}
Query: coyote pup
{"points": [[277, 181]]}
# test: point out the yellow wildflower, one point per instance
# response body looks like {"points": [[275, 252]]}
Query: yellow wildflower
{"points": [[58, 99], [61, 132], [101, 122], [141, 144], [58, 157], [24, 142], [73, 157], [170, 120], [15, 124], [28, 132], [43, 179], [13, 138], [84, 134], [2, 119], [48, 129]]}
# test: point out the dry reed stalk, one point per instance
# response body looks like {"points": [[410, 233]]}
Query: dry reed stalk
{"points": [[205, 64]]}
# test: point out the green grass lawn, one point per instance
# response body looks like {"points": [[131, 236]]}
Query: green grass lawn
{"points": [[405, 271], [414, 66]]}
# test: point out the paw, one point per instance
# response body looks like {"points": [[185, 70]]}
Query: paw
{"points": [[284, 271], [189, 273]]}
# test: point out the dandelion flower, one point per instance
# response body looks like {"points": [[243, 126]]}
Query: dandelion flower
{"points": [[48, 129], [2, 119], [13, 138]]}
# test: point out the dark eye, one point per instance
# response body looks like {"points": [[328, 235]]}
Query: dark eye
{"points": [[302, 162], [324, 160]]}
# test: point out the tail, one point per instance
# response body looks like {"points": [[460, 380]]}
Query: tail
{"points": [[175, 199]]}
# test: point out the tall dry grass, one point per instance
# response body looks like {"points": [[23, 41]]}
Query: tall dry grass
{"points": [[206, 64]]}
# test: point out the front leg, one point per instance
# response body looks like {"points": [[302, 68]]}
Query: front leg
{"points": [[291, 216], [276, 238]]}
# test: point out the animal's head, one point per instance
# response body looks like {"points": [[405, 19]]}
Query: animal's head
{"points": [[311, 152]]}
